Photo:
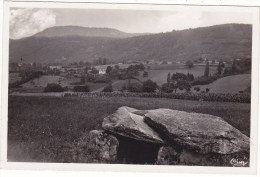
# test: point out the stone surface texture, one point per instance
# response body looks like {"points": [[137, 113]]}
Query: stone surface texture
{"points": [[103, 147], [126, 123], [202, 133]]}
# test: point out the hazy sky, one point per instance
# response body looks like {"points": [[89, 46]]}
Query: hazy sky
{"points": [[26, 22]]}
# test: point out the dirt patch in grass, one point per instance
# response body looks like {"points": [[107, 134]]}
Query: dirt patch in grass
{"points": [[48, 129]]}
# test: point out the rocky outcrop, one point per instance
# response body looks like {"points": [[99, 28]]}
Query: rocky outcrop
{"points": [[169, 137], [201, 133], [127, 123], [103, 146]]}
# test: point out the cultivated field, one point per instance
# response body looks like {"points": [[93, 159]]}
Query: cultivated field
{"points": [[229, 84], [47, 129]]}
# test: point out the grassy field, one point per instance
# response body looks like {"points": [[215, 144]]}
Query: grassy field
{"points": [[160, 72], [44, 80], [38, 84], [46, 129], [229, 84]]}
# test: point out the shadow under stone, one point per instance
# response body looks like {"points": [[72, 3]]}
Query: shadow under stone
{"points": [[132, 151]]}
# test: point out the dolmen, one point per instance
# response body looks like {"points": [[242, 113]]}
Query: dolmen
{"points": [[169, 137]]}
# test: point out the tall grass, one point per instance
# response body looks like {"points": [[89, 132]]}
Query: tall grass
{"points": [[52, 129]]}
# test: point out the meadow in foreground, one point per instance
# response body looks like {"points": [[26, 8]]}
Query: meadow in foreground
{"points": [[47, 129]]}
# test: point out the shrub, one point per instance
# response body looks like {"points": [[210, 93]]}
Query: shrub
{"points": [[166, 88], [134, 87], [52, 87], [197, 89], [81, 88], [108, 88], [183, 84], [149, 86], [109, 69], [189, 64]]}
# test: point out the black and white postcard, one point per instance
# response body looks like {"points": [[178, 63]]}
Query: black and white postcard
{"points": [[124, 87]]}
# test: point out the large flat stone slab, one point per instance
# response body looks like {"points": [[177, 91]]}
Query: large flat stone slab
{"points": [[126, 123], [201, 133]]}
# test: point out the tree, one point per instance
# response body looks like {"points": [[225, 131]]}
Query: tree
{"points": [[234, 66], [108, 88], [190, 77], [178, 76], [100, 61], [109, 69], [197, 88], [219, 69], [149, 86], [135, 87], [131, 73], [221, 65], [183, 84], [167, 88], [206, 72], [141, 67], [145, 74], [169, 77], [116, 67], [189, 64], [227, 71], [94, 71]]}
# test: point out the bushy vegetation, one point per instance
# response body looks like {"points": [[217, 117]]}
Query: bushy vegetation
{"points": [[52, 87], [168, 87], [149, 86], [81, 88], [189, 64], [239, 67], [197, 89], [177, 81]]}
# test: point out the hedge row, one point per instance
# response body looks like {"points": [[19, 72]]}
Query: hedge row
{"points": [[227, 97]]}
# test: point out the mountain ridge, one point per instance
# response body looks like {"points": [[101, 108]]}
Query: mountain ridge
{"points": [[71, 30], [215, 42]]}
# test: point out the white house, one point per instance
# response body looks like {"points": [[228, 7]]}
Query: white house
{"points": [[101, 71]]}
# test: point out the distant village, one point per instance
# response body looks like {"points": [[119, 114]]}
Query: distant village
{"points": [[78, 68]]}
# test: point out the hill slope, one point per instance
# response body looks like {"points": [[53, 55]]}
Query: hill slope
{"points": [[229, 84], [220, 41]]}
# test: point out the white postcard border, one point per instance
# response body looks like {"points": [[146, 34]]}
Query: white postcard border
{"points": [[120, 167]]}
